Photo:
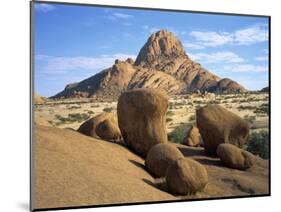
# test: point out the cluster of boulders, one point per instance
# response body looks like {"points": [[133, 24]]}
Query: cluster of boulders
{"points": [[141, 124]]}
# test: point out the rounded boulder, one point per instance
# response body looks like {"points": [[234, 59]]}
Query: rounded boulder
{"points": [[141, 119], [160, 157], [218, 125], [186, 176], [234, 157]]}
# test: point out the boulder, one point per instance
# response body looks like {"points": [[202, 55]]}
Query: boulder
{"points": [[141, 118], [108, 130], [160, 157], [38, 99], [218, 125], [186, 176], [192, 138], [234, 157], [89, 127]]}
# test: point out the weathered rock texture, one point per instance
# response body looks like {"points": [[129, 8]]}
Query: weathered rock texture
{"points": [[218, 125], [193, 137], [88, 171], [161, 63], [160, 157], [234, 157], [186, 176], [102, 126], [141, 119]]}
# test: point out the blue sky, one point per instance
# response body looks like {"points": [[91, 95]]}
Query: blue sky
{"points": [[75, 42]]}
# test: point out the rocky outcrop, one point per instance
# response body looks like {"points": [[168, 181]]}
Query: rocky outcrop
{"points": [[89, 172], [218, 125], [160, 157], [234, 157], [186, 176], [161, 63], [141, 119], [38, 99]]}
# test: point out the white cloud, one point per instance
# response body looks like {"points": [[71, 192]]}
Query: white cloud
{"points": [[246, 36], [217, 57], [211, 38], [246, 68], [53, 65], [262, 58], [43, 7], [193, 46], [122, 15]]}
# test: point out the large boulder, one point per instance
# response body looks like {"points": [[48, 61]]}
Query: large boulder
{"points": [[218, 125], [234, 157], [192, 138], [141, 119], [186, 176], [102, 126], [160, 157], [108, 130]]}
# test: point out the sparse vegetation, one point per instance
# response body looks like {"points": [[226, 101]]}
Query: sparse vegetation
{"points": [[72, 117], [250, 119], [107, 109], [262, 109], [169, 120], [177, 135], [258, 144], [192, 117]]}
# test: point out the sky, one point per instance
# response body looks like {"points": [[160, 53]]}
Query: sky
{"points": [[72, 43]]}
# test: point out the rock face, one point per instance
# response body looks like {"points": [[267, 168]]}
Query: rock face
{"points": [[161, 63], [160, 157], [186, 176], [102, 126], [234, 157], [192, 138], [141, 119], [218, 125], [108, 130]]}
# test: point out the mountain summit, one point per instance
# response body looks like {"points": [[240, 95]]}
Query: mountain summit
{"points": [[161, 63], [160, 46]]}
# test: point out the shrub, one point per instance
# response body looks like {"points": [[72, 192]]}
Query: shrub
{"points": [[169, 113], [262, 109], [258, 144], [169, 120], [250, 119], [177, 135], [107, 109]]}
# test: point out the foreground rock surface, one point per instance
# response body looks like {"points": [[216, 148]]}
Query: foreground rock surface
{"points": [[234, 157], [88, 171], [141, 119], [160, 157], [218, 125], [186, 176]]}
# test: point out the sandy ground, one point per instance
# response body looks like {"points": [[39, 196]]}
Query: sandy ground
{"points": [[181, 109]]}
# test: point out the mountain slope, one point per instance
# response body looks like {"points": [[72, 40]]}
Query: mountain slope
{"points": [[161, 63]]}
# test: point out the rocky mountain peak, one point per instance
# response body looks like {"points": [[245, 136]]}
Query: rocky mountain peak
{"points": [[160, 45]]}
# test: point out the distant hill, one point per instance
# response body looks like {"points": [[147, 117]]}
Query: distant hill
{"points": [[161, 63]]}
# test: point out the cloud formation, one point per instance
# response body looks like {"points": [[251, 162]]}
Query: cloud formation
{"points": [[217, 57], [43, 7], [56, 65], [246, 36], [246, 68]]}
